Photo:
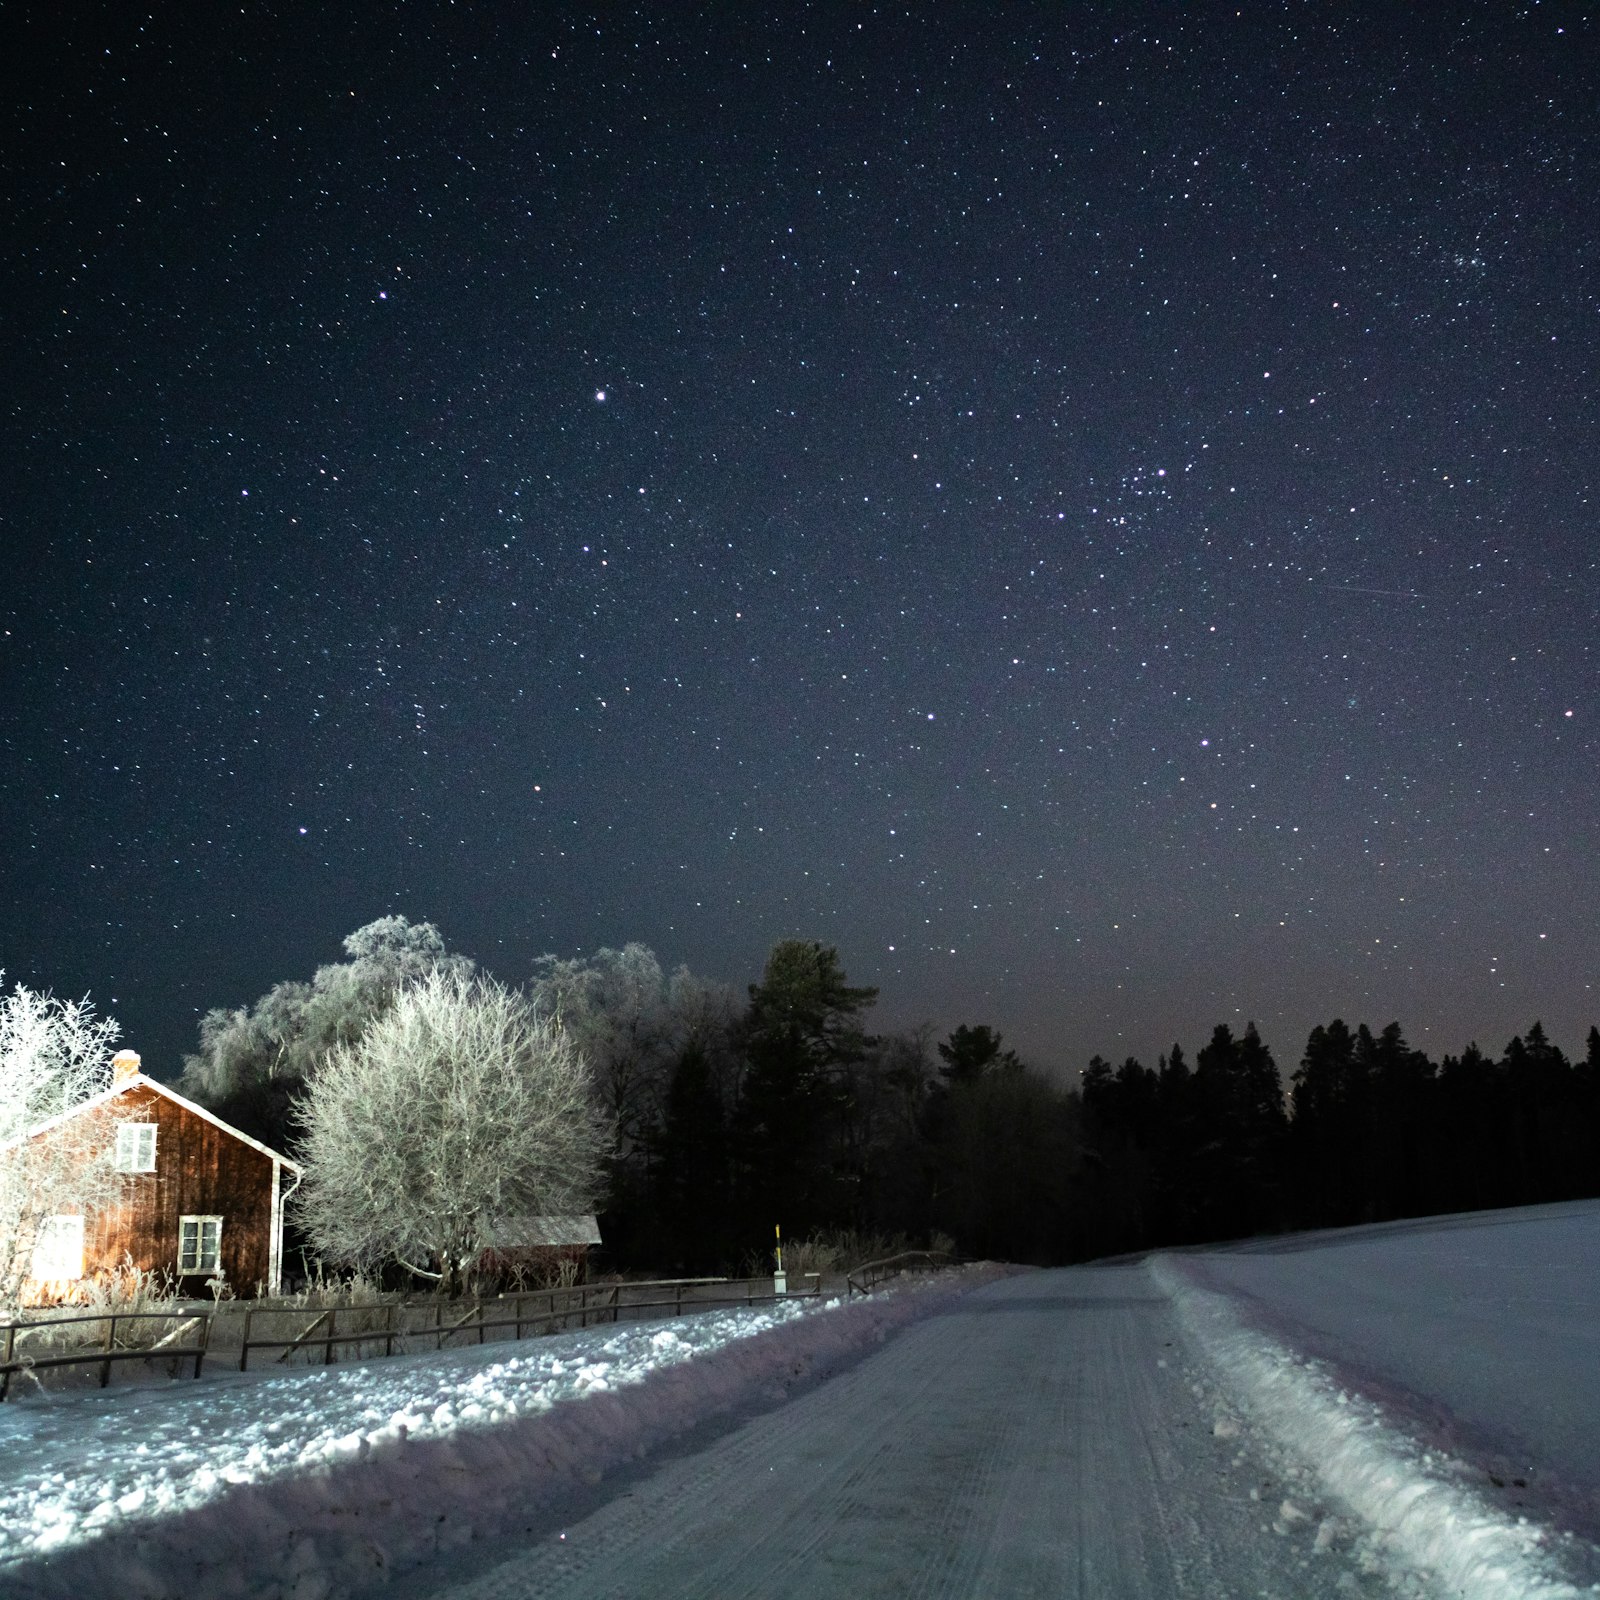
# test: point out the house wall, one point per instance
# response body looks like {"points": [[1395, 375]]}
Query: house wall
{"points": [[201, 1170]]}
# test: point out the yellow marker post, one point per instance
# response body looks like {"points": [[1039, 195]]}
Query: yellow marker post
{"points": [[780, 1279]]}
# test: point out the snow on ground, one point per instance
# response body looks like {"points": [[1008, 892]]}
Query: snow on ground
{"points": [[323, 1482], [1048, 1435], [1451, 1353], [1492, 1316]]}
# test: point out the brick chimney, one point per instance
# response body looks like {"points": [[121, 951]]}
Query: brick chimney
{"points": [[124, 1067]]}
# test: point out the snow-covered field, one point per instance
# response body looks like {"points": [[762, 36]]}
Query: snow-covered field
{"points": [[1442, 1376], [1407, 1409]]}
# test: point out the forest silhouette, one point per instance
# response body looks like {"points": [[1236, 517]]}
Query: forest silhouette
{"points": [[731, 1115]]}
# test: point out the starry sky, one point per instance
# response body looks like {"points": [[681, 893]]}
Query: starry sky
{"points": [[1090, 509]]}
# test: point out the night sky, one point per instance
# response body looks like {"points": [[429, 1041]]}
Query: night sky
{"points": [[1089, 509]]}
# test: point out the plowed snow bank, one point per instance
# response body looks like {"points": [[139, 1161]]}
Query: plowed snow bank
{"points": [[1424, 1505], [321, 1483]]}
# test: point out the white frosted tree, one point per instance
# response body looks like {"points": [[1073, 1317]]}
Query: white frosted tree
{"points": [[53, 1056], [615, 1006], [457, 1109], [632, 1022], [253, 1061]]}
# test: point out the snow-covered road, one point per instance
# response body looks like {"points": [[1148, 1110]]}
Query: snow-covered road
{"points": [[1301, 1418], [1047, 1435]]}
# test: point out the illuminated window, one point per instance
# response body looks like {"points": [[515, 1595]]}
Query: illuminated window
{"points": [[136, 1147], [199, 1244], [58, 1249]]}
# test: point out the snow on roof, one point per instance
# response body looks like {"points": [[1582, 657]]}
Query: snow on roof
{"points": [[529, 1233]]}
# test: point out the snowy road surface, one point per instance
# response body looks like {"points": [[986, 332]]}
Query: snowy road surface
{"points": [[1407, 1409], [1044, 1436], [1410, 1409]]}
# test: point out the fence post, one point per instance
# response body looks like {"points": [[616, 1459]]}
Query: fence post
{"points": [[388, 1330], [482, 1307], [205, 1342], [111, 1341], [11, 1346], [244, 1349], [327, 1349]]}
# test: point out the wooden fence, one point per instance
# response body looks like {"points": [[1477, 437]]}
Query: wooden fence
{"points": [[434, 1323], [12, 1363], [385, 1328], [405, 1327], [865, 1278]]}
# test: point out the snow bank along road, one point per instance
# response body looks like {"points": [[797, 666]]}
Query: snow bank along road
{"points": [[1302, 1418]]}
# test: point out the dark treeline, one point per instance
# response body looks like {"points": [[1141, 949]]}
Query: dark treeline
{"points": [[828, 1127], [1372, 1130], [735, 1112], [795, 1115]]}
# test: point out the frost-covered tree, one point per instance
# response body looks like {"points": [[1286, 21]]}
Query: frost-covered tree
{"points": [[53, 1056], [640, 1029], [253, 1061], [617, 1008], [633, 1021], [458, 1108]]}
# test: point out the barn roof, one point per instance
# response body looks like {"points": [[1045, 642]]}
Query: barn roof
{"points": [[530, 1233], [137, 1080]]}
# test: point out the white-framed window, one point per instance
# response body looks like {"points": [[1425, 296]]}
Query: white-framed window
{"points": [[58, 1249], [136, 1147], [199, 1244]]}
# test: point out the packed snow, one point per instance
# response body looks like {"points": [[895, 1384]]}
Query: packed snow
{"points": [[1482, 1330], [1410, 1408]]}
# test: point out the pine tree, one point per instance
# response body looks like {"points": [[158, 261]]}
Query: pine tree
{"points": [[971, 1052], [802, 1033]]}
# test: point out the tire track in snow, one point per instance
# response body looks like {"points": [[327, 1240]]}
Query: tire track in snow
{"points": [[741, 1548]]}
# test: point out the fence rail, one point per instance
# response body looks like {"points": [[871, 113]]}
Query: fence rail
{"points": [[163, 1349], [865, 1278], [583, 1305], [392, 1327]]}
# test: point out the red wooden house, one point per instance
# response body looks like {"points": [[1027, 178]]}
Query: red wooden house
{"points": [[198, 1199]]}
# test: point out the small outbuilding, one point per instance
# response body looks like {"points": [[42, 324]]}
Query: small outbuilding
{"points": [[541, 1248], [198, 1201]]}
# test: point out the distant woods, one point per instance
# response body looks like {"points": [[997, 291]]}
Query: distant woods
{"points": [[728, 1112], [1370, 1130]]}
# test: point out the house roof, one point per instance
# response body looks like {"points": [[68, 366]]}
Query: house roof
{"points": [[139, 1080], [529, 1233]]}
